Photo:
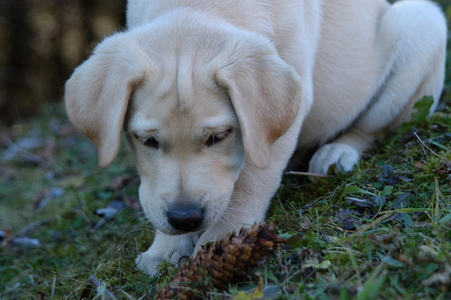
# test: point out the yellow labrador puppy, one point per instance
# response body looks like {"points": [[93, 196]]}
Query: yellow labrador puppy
{"points": [[215, 96]]}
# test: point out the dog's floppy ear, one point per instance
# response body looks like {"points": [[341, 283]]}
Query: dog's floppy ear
{"points": [[98, 92], [266, 95]]}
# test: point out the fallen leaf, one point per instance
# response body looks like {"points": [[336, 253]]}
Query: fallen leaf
{"points": [[107, 213], [295, 241], [383, 239], [364, 203], [427, 252], [390, 260], [445, 168], [25, 242], [439, 278], [117, 204], [404, 259], [419, 166], [344, 218], [389, 176], [304, 226], [402, 201]]}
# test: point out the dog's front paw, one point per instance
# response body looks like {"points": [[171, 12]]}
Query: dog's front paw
{"points": [[166, 247], [148, 263], [334, 153]]}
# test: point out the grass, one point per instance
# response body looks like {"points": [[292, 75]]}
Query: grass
{"points": [[380, 232]]}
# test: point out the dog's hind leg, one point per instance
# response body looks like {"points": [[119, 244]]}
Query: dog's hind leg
{"points": [[412, 39]]}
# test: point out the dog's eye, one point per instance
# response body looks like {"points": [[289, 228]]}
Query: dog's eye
{"points": [[212, 139], [148, 142], [216, 138], [152, 142]]}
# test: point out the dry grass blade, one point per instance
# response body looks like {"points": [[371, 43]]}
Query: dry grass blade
{"points": [[423, 144], [298, 173]]}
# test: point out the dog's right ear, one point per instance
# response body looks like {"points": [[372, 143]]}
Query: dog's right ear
{"points": [[98, 92]]}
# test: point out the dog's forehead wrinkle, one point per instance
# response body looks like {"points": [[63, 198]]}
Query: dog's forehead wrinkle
{"points": [[141, 125], [218, 121]]}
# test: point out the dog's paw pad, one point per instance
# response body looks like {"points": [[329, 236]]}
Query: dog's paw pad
{"points": [[331, 154]]}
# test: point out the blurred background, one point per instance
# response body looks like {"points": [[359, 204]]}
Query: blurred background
{"points": [[42, 41]]}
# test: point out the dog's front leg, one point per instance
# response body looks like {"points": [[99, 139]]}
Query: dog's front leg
{"points": [[165, 247]]}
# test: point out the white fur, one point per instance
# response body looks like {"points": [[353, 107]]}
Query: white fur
{"points": [[253, 72]]}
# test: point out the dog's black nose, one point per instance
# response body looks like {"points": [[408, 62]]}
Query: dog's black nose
{"points": [[185, 217]]}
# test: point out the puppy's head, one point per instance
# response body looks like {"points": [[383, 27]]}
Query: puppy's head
{"points": [[196, 100]]}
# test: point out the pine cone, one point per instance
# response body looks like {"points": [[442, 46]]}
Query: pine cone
{"points": [[223, 262]]}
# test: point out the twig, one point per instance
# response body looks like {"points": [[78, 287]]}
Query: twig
{"points": [[306, 174], [424, 144]]}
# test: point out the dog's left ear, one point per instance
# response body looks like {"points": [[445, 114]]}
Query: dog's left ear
{"points": [[98, 93], [265, 92]]}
